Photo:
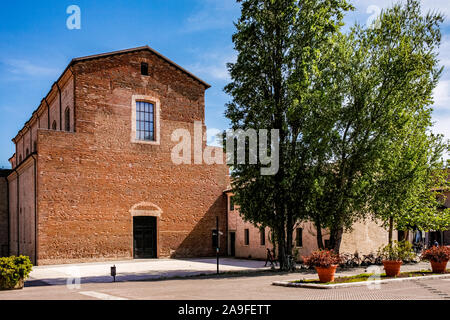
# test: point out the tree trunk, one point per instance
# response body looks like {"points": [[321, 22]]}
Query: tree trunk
{"points": [[282, 248], [391, 229], [289, 231], [319, 236], [336, 238]]}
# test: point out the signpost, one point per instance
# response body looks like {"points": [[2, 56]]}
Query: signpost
{"points": [[217, 234], [218, 246], [113, 272]]}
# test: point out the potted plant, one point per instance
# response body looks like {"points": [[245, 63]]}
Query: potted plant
{"points": [[325, 262], [438, 257], [14, 271], [393, 256]]}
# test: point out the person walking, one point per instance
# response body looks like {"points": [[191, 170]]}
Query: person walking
{"points": [[270, 258]]}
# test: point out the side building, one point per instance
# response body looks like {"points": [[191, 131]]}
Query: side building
{"points": [[247, 241]]}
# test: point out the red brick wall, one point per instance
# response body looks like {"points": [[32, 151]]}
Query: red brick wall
{"points": [[89, 180]]}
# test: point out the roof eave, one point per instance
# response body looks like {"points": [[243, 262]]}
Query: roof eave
{"points": [[107, 54]]}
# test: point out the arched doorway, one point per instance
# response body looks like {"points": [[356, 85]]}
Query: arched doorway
{"points": [[145, 217]]}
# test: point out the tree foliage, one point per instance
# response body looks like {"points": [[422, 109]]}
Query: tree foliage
{"points": [[354, 114], [278, 44]]}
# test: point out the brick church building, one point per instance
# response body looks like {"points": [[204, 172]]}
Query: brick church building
{"points": [[92, 177]]}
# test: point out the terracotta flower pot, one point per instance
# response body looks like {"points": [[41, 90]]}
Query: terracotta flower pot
{"points": [[19, 285], [392, 267], [438, 267], [326, 274]]}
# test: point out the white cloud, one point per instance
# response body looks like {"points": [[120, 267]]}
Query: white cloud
{"points": [[213, 65], [212, 14], [440, 5], [442, 126], [444, 52], [20, 67], [441, 112], [213, 138], [365, 9], [442, 95]]}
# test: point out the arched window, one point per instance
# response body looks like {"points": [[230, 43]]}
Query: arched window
{"points": [[67, 119], [54, 125], [27, 152], [35, 146], [20, 158]]}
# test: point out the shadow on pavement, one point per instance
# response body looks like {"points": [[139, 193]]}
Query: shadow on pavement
{"points": [[177, 275], [229, 262]]}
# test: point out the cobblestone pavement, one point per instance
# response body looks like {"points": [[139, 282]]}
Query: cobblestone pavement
{"points": [[406, 290], [256, 286]]}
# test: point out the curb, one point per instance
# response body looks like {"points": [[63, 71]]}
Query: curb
{"points": [[353, 284]]}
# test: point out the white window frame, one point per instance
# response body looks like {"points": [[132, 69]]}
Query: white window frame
{"points": [[155, 101]]}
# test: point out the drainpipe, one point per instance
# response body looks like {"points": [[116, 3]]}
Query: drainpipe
{"points": [[60, 111]]}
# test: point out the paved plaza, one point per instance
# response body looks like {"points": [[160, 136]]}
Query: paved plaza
{"points": [[251, 280], [132, 270]]}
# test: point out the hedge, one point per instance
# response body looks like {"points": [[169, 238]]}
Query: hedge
{"points": [[13, 269]]}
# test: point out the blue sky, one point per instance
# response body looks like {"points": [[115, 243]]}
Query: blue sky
{"points": [[36, 46]]}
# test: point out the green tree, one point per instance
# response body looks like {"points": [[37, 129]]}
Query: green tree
{"points": [[386, 75], [279, 45], [407, 190]]}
